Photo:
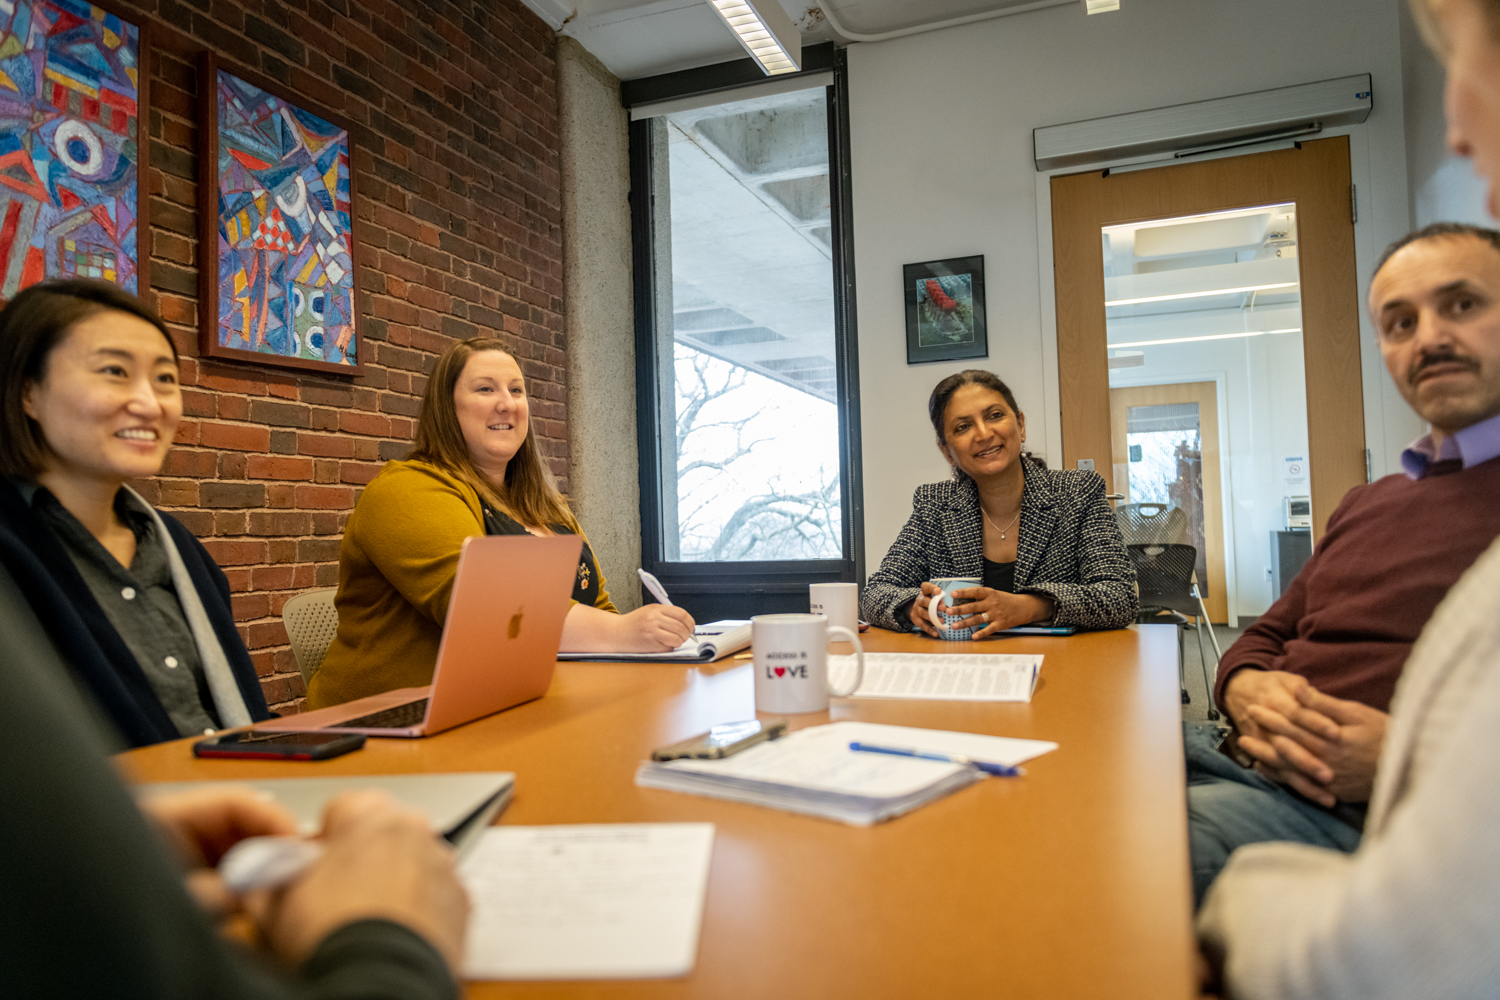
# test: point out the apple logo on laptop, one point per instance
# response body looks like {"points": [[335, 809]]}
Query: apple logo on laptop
{"points": [[515, 623]]}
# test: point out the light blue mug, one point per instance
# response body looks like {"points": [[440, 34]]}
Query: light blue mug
{"points": [[940, 618]]}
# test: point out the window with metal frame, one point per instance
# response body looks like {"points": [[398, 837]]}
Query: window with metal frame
{"points": [[745, 347]]}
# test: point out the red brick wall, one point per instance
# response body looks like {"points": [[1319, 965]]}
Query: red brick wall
{"points": [[457, 189]]}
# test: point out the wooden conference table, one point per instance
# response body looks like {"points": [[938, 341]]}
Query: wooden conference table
{"points": [[1071, 881]]}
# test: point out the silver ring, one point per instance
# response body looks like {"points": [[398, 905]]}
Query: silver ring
{"points": [[985, 615]]}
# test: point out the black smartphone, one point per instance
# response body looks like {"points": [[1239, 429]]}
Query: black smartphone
{"points": [[285, 746]]}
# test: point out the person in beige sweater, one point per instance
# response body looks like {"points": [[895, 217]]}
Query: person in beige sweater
{"points": [[474, 470]]}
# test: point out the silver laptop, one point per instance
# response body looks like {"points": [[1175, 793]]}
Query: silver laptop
{"points": [[499, 647]]}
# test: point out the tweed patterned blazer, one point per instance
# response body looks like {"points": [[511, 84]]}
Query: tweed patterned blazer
{"points": [[1069, 549]]}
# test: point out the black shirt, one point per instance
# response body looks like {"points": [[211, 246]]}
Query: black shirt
{"points": [[585, 585], [1000, 576]]}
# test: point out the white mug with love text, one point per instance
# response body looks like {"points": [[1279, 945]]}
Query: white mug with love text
{"points": [[939, 614], [791, 662]]}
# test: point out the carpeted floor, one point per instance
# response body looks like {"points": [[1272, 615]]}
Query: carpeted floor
{"points": [[1196, 710]]}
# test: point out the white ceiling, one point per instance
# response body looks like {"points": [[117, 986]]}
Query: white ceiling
{"points": [[639, 38]]}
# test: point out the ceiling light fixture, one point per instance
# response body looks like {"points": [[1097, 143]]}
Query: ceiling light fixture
{"points": [[1216, 336], [765, 31], [1100, 6], [1199, 295]]}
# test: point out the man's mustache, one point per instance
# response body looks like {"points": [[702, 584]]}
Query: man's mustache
{"points": [[1427, 361]]}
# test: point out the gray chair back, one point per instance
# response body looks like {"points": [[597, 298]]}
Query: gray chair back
{"points": [[311, 623]]}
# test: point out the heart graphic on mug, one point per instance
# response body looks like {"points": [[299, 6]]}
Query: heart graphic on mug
{"points": [[780, 671]]}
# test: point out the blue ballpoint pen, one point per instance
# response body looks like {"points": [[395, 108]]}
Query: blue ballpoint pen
{"points": [[1002, 770]]}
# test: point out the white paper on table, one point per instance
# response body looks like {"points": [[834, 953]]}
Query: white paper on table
{"points": [[989, 749], [941, 676], [818, 758], [602, 901]]}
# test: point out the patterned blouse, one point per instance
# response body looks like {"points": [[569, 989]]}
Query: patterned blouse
{"points": [[1069, 549]]}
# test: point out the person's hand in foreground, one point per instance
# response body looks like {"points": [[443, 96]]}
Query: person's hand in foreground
{"points": [[380, 860], [1328, 747], [205, 823]]}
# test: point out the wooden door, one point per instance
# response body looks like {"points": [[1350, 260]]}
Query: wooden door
{"points": [[1206, 396], [1315, 176]]}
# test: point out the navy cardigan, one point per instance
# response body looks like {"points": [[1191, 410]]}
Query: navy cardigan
{"points": [[100, 660]]}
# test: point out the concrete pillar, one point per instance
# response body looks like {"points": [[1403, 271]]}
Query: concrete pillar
{"points": [[600, 323]]}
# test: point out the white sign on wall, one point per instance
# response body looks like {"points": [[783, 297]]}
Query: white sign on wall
{"points": [[1294, 472]]}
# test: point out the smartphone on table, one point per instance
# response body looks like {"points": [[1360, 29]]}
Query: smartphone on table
{"points": [[265, 744]]}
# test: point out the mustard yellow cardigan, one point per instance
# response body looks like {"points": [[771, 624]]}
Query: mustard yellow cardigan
{"points": [[396, 568]]}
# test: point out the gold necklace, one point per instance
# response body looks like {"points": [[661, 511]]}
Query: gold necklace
{"points": [[996, 526]]}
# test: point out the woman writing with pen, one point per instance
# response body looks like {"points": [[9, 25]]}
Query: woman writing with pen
{"points": [[474, 470]]}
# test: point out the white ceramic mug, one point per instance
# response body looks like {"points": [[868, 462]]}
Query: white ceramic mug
{"points": [[791, 662], [940, 618], [839, 601]]}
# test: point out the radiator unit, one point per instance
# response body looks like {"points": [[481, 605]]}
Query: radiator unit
{"points": [[1205, 126]]}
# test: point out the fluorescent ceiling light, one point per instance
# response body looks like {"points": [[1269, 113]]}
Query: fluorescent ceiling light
{"points": [[1100, 6], [1199, 295], [765, 31], [1216, 336]]}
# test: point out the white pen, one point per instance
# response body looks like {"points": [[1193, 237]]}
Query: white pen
{"points": [[654, 585], [266, 862]]}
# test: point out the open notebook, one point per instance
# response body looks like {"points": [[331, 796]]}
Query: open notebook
{"points": [[710, 642]]}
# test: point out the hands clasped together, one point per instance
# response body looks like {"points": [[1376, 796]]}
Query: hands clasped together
{"points": [[1324, 747], [985, 610], [380, 860]]}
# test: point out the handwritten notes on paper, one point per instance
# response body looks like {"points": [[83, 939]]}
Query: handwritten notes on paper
{"points": [[615, 901]]}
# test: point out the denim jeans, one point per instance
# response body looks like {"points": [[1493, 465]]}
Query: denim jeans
{"points": [[1230, 806]]}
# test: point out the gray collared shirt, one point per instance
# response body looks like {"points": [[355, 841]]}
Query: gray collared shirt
{"points": [[140, 602]]}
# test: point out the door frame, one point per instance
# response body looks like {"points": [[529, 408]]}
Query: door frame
{"points": [[1317, 176], [1220, 379], [1216, 538]]}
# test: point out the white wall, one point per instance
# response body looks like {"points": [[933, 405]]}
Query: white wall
{"points": [[942, 167]]}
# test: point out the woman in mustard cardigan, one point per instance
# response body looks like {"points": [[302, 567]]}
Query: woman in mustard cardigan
{"points": [[474, 470]]}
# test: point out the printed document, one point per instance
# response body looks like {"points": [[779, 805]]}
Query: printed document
{"points": [[606, 901], [942, 676]]}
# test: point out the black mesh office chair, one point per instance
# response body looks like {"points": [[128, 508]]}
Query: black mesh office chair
{"points": [[1152, 522], [1164, 575]]}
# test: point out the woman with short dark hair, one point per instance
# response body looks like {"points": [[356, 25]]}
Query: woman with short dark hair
{"points": [[474, 469], [89, 399], [1044, 543]]}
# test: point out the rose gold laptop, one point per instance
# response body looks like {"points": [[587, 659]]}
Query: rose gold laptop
{"points": [[499, 645]]}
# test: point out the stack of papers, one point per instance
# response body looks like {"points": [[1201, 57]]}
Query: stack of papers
{"points": [[813, 771], [616, 901], [710, 642], [941, 676]]}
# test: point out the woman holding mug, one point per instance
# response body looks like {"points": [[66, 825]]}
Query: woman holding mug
{"points": [[89, 398], [1043, 543], [474, 469]]}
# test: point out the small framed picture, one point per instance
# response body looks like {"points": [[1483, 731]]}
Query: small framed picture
{"points": [[278, 274], [945, 310]]}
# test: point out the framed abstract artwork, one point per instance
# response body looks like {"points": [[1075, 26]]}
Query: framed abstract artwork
{"points": [[73, 145], [278, 282], [945, 310]]}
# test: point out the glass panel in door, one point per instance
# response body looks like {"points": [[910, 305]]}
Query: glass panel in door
{"points": [[1211, 301]]}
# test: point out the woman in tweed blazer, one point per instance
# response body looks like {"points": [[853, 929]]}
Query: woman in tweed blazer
{"points": [[1044, 542]]}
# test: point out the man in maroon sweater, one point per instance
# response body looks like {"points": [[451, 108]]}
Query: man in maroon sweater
{"points": [[1308, 686]]}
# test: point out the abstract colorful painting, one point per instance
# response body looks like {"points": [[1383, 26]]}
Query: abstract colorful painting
{"points": [[71, 154], [280, 206]]}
